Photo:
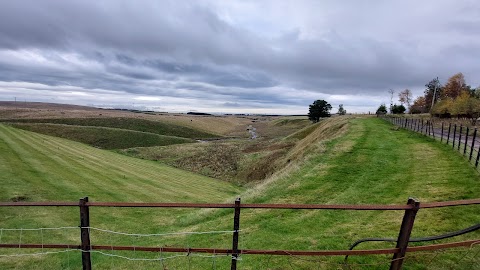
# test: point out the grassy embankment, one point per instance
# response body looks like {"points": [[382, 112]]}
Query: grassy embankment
{"points": [[371, 163], [113, 133], [36, 167], [237, 160]]}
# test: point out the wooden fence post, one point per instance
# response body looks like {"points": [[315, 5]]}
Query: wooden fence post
{"points": [[473, 144], [404, 235], [85, 233], [466, 142], [236, 228], [459, 138], [453, 139]]}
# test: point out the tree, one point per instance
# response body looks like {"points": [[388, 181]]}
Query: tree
{"points": [[405, 97], [398, 109], [443, 108], [319, 108], [418, 106], [341, 110], [382, 109], [476, 92], [455, 86], [432, 88]]}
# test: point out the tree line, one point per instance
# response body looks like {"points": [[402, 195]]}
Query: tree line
{"points": [[455, 98]]}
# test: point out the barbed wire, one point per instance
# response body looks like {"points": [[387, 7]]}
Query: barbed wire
{"points": [[163, 258], [39, 253], [158, 234], [470, 255], [36, 229]]}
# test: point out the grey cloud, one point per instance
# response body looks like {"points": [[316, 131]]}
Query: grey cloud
{"points": [[191, 50]]}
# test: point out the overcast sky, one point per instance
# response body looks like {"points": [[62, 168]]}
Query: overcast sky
{"points": [[233, 56]]}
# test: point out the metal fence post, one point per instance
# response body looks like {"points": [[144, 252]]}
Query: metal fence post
{"points": [[441, 134], [459, 138], [478, 157], [473, 144], [449, 128], [85, 233], [236, 228], [466, 142], [404, 235], [453, 139], [433, 130]]}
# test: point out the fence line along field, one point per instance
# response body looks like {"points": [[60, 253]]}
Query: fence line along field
{"points": [[342, 160]]}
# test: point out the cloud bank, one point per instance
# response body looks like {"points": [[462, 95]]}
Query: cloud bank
{"points": [[225, 56]]}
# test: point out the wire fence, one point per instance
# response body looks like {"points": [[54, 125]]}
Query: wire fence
{"points": [[91, 247], [462, 138]]}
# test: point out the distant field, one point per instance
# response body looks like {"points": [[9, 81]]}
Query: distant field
{"points": [[135, 124], [219, 125], [101, 137]]}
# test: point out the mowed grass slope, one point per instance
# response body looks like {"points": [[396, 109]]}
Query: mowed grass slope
{"points": [[36, 167], [137, 124], [42, 167], [103, 137]]}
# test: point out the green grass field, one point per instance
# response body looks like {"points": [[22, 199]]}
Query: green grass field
{"points": [[136, 124], [370, 163], [103, 137]]}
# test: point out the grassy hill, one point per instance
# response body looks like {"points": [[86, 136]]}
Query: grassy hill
{"points": [[136, 124], [41, 167], [101, 137], [36, 167], [349, 160]]}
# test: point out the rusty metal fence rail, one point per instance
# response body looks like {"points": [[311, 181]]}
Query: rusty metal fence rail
{"points": [[398, 253]]}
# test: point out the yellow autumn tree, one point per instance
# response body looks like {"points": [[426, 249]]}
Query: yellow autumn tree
{"points": [[454, 87]]}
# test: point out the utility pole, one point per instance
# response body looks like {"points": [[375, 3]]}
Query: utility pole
{"points": [[391, 92], [434, 94]]}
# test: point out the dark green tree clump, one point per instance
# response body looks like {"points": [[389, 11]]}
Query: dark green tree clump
{"points": [[398, 109], [341, 110], [382, 109], [320, 108]]}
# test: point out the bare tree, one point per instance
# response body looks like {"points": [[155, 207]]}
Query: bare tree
{"points": [[405, 97]]}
